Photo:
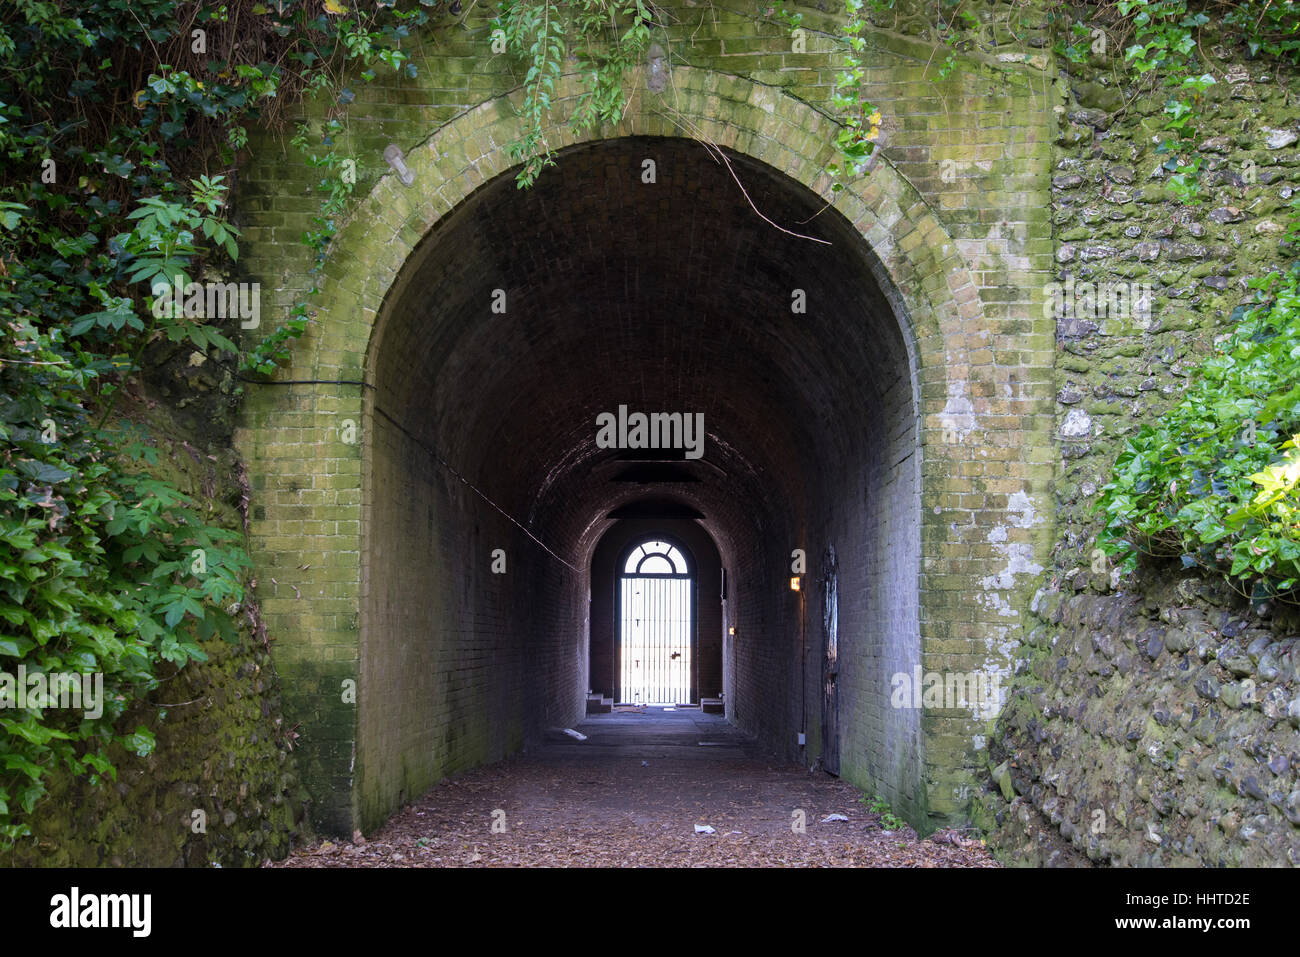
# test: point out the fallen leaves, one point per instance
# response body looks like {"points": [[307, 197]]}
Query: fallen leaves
{"points": [[956, 838], [611, 812]]}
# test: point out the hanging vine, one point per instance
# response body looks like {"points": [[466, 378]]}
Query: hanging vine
{"points": [[608, 37]]}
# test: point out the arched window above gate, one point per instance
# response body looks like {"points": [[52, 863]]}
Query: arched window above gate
{"points": [[656, 558]]}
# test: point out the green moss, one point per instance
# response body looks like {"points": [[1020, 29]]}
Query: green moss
{"points": [[217, 725]]}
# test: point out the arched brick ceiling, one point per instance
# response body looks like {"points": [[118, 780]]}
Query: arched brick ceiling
{"points": [[668, 296]]}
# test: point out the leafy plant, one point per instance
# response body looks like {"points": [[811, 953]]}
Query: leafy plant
{"points": [[859, 134], [1216, 480], [608, 38], [889, 821], [104, 570], [106, 567]]}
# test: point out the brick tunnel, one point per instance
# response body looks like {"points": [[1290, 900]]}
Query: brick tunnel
{"points": [[652, 274]]}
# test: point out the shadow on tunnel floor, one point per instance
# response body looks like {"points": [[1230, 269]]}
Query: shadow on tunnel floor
{"points": [[658, 788], [652, 732]]}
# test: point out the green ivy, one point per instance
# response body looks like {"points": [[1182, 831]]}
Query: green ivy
{"points": [[118, 134], [859, 134], [608, 37], [1216, 480], [1163, 40]]}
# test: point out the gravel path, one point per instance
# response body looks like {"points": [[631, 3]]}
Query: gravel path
{"points": [[631, 795]]}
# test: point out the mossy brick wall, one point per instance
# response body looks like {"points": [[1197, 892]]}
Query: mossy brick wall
{"points": [[462, 664], [1131, 736], [222, 745], [957, 215]]}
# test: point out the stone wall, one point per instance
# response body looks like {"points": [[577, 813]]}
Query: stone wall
{"points": [[1153, 720]]}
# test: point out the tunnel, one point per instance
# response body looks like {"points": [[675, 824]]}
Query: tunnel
{"points": [[638, 275]]}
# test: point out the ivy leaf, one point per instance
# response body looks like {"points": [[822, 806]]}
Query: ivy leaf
{"points": [[42, 472], [16, 762], [10, 215], [142, 742], [16, 647]]}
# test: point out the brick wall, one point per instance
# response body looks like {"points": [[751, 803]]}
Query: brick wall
{"points": [[904, 418]]}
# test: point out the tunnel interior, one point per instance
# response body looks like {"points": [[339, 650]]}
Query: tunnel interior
{"points": [[490, 508]]}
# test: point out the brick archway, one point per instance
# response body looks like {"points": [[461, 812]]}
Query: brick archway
{"points": [[975, 404]]}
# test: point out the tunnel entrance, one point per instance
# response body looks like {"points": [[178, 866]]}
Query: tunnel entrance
{"points": [[426, 484], [656, 633], [516, 349], [436, 475]]}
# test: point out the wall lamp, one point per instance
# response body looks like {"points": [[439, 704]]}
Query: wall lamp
{"points": [[794, 583], [393, 157]]}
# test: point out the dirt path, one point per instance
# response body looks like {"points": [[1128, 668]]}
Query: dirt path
{"points": [[631, 795]]}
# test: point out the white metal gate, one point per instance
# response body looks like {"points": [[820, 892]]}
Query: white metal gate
{"points": [[655, 626]]}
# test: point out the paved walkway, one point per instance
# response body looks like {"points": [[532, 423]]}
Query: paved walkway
{"points": [[632, 795]]}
